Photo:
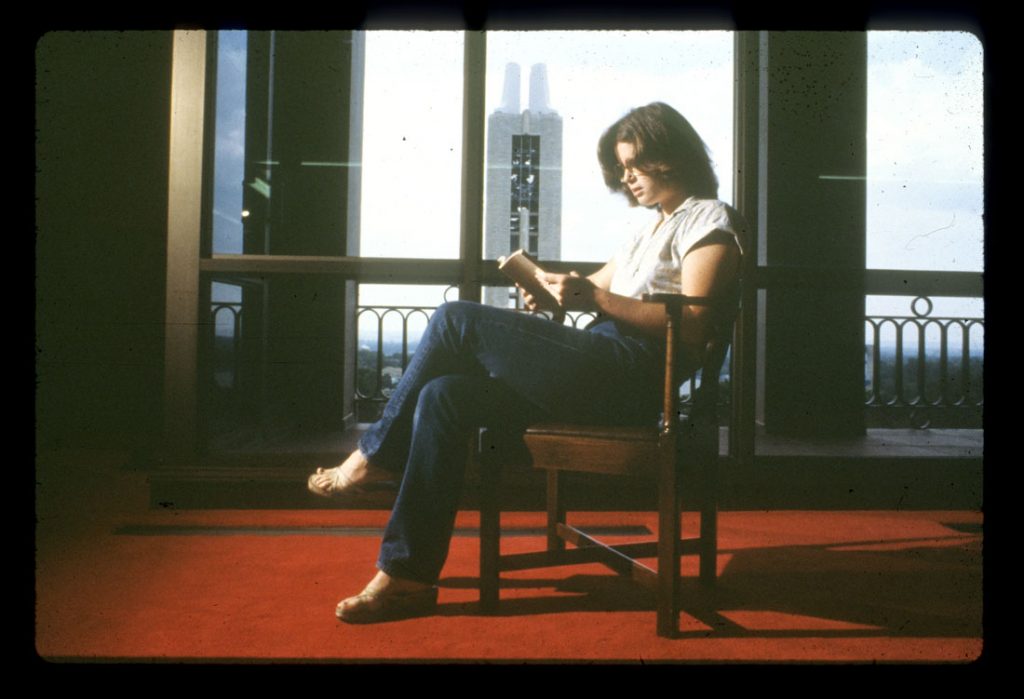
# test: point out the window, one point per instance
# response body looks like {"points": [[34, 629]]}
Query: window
{"points": [[925, 206], [229, 158], [925, 151], [411, 165], [351, 144], [564, 89], [550, 96]]}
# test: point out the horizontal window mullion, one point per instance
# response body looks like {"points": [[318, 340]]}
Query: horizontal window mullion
{"points": [[363, 269], [371, 269], [874, 281]]}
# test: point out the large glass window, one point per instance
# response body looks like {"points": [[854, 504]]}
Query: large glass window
{"points": [[411, 165], [550, 96], [925, 207], [564, 89], [558, 90], [925, 151], [351, 144], [229, 156], [278, 363]]}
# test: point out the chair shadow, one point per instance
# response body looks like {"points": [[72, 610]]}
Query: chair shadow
{"points": [[892, 588]]}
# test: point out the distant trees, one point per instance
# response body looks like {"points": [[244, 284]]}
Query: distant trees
{"points": [[950, 401]]}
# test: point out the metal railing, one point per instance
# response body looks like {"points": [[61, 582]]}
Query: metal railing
{"points": [[374, 382], [377, 371], [226, 348], [920, 370], [923, 370]]}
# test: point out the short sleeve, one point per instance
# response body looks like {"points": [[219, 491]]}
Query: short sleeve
{"points": [[707, 217]]}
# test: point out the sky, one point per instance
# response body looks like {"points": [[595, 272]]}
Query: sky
{"points": [[925, 136], [925, 164], [580, 66]]}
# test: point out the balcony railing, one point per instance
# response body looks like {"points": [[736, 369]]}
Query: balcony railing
{"points": [[920, 370], [923, 370], [226, 345], [377, 370]]}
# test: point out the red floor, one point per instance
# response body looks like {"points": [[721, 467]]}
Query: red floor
{"points": [[840, 587]]}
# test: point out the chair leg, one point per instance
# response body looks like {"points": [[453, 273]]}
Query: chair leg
{"points": [[556, 511], [490, 537], [668, 549], [709, 522], [709, 546]]}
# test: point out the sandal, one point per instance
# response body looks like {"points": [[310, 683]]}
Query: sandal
{"points": [[387, 605], [340, 484]]}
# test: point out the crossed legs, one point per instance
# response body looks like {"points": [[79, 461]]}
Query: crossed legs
{"points": [[475, 366]]}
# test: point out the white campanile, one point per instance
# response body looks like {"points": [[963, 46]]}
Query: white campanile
{"points": [[524, 176], [510, 94], [539, 89]]}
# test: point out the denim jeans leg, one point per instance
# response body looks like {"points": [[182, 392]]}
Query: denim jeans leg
{"points": [[448, 411], [477, 366], [569, 373], [386, 442]]}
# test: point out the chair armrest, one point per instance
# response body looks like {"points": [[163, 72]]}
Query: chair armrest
{"points": [[674, 304], [673, 314]]}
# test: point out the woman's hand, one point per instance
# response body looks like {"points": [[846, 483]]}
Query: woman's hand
{"points": [[573, 292], [529, 300], [531, 304]]}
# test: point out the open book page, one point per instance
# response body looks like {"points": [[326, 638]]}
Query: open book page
{"points": [[522, 270]]}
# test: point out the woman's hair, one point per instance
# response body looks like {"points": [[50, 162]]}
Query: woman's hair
{"points": [[667, 149]]}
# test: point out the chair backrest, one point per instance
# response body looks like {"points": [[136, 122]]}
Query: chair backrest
{"points": [[724, 310], [705, 391]]}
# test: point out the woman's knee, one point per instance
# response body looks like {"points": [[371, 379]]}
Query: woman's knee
{"points": [[457, 321], [459, 313], [453, 311], [436, 394], [453, 397], [448, 319]]}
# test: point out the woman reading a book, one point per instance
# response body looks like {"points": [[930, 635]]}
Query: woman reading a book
{"points": [[482, 366]]}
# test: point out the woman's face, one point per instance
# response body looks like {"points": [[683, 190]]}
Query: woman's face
{"points": [[647, 190]]}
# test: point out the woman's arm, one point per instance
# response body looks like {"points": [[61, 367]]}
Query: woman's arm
{"points": [[602, 279], [707, 270]]}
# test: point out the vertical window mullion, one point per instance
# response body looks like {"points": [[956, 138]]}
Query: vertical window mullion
{"points": [[474, 68]]}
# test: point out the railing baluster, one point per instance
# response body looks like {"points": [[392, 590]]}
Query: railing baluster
{"points": [[876, 361], [898, 373], [236, 345], [960, 398], [378, 387], [981, 398], [921, 398], [943, 398], [405, 341], [965, 366]]}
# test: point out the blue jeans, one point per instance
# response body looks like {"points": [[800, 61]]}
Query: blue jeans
{"points": [[479, 366]]}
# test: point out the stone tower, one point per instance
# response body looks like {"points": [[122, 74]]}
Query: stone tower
{"points": [[524, 177]]}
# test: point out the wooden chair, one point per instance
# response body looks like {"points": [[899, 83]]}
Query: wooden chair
{"points": [[661, 451]]}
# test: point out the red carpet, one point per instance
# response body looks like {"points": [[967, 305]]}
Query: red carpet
{"points": [[237, 585]]}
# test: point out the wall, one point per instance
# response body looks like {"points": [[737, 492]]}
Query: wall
{"points": [[102, 119]]}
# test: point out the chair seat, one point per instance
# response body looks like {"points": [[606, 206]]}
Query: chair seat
{"points": [[632, 451], [643, 433]]}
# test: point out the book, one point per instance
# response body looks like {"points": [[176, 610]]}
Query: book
{"points": [[521, 268]]}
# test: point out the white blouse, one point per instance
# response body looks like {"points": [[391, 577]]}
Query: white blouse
{"points": [[652, 261]]}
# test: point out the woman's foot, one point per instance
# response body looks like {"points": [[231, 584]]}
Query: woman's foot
{"points": [[386, 599], [348, 477]]}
